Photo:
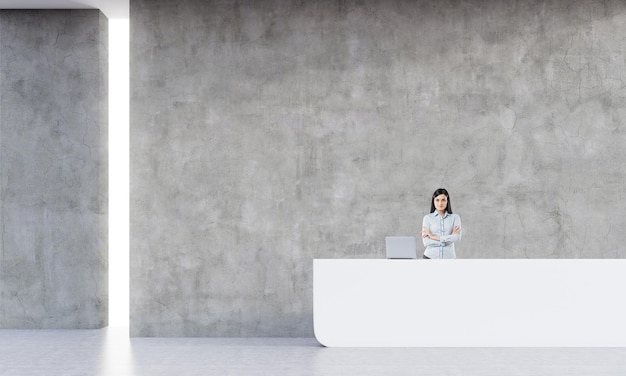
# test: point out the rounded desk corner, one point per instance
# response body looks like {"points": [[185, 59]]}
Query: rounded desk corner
{"points": [[320, 339]]}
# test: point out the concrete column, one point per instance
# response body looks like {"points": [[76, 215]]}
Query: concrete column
{"points": [[53, 169]]}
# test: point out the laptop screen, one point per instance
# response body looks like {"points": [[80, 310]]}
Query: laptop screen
{"points": [[400, 247]]}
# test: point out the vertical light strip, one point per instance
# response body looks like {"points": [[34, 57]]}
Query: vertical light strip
{"points": [[119, 87]]}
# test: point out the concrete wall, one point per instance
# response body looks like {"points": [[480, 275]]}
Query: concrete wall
{"points": [[53, 169], [265, 134]]}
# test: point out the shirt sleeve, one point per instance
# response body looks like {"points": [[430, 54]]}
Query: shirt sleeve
{"points": [[428, 241]]}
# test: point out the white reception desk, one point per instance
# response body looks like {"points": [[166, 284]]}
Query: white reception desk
{"points": [[469, 303]]}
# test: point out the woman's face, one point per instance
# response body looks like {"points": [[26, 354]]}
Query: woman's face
{"points": [[441, 202]]}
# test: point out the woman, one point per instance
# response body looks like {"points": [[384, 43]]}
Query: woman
{"points": [[441, 228]]}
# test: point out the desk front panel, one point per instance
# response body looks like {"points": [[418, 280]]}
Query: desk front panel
{"points": [[470, 303]]}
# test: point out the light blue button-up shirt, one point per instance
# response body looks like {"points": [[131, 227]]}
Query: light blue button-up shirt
{"points": [[442, 227]]}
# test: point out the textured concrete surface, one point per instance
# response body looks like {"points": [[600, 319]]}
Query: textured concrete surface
{"points": [[265, 134], [53, 169]]}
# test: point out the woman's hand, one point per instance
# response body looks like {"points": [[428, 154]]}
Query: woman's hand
{"points": [[457, 230]]}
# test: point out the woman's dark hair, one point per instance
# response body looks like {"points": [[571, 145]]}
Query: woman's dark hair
{"points": [[438, 192]]}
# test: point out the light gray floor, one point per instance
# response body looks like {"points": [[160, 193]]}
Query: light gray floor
{"points": [[110, 352]]}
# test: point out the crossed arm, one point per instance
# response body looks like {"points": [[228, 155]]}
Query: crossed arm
{"points": [[427, 234], [430, 239]]}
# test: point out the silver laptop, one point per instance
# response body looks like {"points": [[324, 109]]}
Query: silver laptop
{"points": [[401, 247]]}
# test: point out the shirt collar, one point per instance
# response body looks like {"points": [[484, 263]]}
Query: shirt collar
{"points": [[436, 214]]}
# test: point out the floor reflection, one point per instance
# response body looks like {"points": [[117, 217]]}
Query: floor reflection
{"points": [[117, 355], [109, 352]]}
